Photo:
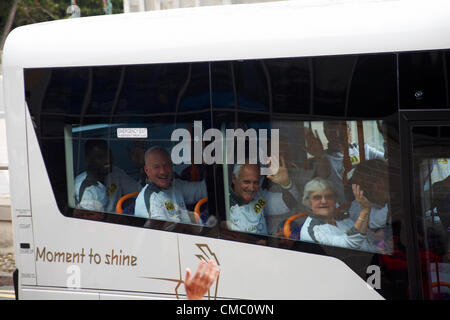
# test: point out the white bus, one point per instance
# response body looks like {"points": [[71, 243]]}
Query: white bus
{"points": [[337, 84]]}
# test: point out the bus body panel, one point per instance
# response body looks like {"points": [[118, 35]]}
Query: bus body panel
{"points": [[16, 132], [258, 272], [52, 294], [116, 257]]}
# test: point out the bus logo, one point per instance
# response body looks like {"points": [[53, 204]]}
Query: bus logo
{"points": [[205, 254]]}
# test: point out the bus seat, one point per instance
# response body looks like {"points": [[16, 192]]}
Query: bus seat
{"points": [[288, 233], [119, 205], [441, 293], [295, 234], [287, 225], [196, 173]]}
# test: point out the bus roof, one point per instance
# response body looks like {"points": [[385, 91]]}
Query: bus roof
{"points": [[248, 31]]}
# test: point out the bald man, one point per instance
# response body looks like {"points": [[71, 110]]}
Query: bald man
{"points": [[164, 197]]}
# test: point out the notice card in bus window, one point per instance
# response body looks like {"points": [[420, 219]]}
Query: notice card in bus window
{"points": [[131, 132]]}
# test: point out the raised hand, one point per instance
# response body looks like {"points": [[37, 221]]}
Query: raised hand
{"points": [[282, 175], [360, 198]]}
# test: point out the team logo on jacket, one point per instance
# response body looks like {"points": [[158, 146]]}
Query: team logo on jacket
{"points": [[354, 159], [259, 205], [169, 205]]}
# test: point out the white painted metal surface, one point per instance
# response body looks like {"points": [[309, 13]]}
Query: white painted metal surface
{"points": [[249, 31]]}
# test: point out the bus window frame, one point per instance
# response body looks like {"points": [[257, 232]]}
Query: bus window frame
{"points": [[401, 121]]}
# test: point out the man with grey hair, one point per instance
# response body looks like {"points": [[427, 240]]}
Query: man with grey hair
{"points": [[249, 204], [165, 197]]}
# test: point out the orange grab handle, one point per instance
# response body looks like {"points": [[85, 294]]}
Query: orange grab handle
{"points": [[287, 224], [441, 283], [197, 208], [119, 208]]}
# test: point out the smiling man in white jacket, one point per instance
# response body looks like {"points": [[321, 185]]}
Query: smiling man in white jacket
{"points": [[249, 204], [165, 197]]}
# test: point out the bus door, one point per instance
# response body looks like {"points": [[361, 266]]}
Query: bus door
{"points": [[426, 144]]}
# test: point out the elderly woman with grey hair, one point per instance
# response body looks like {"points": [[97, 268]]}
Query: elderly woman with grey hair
{"points": [[324, 227]]}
